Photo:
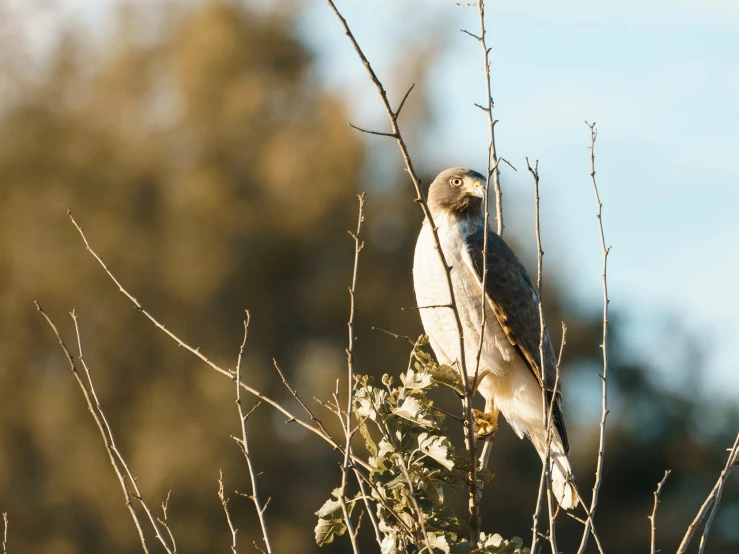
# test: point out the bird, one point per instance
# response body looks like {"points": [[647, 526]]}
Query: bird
{"points": [[510, 374]]}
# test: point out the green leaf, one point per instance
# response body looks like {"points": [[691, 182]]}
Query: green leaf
{"points": [[327, 529], [371, 446], [495, 544], [436, 447], [414, 410], [331, 519], [446, 375], [438, 541], [370, 402], [417, 380], [389, 545]]}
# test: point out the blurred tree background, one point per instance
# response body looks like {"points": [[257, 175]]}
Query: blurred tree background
{"points": [[213, 173]]}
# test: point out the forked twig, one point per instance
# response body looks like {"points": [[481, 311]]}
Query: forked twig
{"points": [[488, 109], [165, 521], [547, 407], [604, 348], [224, 503], [116, 459], [713, 499], [317, 430], [358, 245], [244, 446], [653, 517]]}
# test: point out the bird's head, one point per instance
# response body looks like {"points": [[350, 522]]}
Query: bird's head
{"points": [[457, 192]]}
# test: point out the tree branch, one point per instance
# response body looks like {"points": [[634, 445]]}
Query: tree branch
{"points": [[714, 499], [604, 347], [653, 517], [421, 199], [244, 445], [358, 245], [319, 430], [116, 459], [224, 503], [547, 407]]}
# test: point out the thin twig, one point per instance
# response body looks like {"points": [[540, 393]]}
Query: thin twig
{"points": [[116, 460], [165, 521], [470, 444], [653, 517], [296, 396], [492, 172], [370, 509], [604, 348], [5, 533], [411, 492], [546, 407], [713, 499], [426, 307], [488, 109], [322, 433], [134, 482], [224, 503], [402, 337], [244, 445], [358, 245]]}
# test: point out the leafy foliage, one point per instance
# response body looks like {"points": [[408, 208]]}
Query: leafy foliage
{"points": [[413, 463]]}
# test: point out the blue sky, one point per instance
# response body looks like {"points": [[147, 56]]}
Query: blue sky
{"points": [[661, 79]]}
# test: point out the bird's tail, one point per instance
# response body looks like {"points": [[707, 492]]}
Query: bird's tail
{"points": [[563, 483]]}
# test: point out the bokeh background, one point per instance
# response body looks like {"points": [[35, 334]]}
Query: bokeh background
{"points": [[204, 147]]}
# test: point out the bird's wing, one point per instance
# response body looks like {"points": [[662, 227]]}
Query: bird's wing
{"points": [[515, 303]]}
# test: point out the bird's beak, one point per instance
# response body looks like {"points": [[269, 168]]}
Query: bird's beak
{"points": [[477, 189]]}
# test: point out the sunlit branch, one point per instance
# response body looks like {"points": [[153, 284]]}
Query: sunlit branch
{"points": [[604, 347]]}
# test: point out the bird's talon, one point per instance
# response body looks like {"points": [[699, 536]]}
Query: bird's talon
{"points": [[485, 424]]}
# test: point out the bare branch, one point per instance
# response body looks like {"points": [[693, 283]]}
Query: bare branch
{"points": [[653, 517], [322, 433], [427, 307], [5, 532], [604, 347], [547, 407], [378, 133], [116, 459], [165, 521], [479, 39], [224, 503], [421, 199], [370, 510], [487, 107], [358, 245], [713, 499], [244, 444], [296, 396], [509, 164], [402, 102], [492, 171], [402, 337]]}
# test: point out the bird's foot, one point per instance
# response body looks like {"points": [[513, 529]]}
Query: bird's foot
{"points": [[485, 423]]}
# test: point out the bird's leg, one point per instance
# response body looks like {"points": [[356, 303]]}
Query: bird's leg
{"points": [[486, 422]]}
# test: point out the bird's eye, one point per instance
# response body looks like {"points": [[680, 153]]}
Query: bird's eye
{"points": [[456, 182]]}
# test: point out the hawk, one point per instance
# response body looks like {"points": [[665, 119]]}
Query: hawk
{"points": [[510, 375]]}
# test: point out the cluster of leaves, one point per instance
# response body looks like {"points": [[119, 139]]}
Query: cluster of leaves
{"points": [[413, 463]]}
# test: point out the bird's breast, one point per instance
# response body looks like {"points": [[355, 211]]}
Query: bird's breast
{"points": [[433, 298]]}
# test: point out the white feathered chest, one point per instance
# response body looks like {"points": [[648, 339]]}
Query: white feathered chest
{"points": [[431, 287]]}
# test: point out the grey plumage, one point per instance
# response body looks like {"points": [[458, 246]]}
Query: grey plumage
{"points": [[510, 365]]}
